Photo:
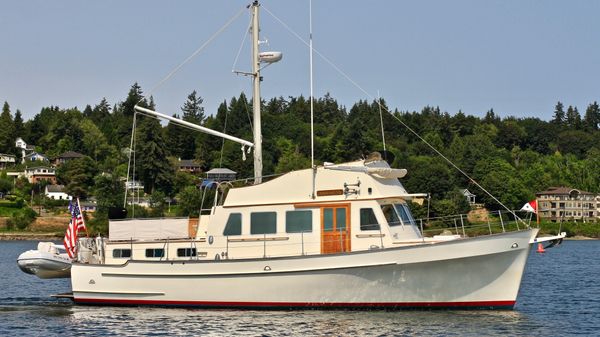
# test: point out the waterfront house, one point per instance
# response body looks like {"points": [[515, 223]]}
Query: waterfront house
{"points": [[20, 143], [37, 174], [35, 156], [134, 185], [470, 196], [221, 174], [56, 192], [25, 149], [187, 165], [89, 205], [565, 203], [6, 160], [65, 157]]}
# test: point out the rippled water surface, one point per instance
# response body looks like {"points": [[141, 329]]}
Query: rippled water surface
{"points": [[560, 296]]}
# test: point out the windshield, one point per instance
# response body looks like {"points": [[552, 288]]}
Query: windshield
{"points": [[397, 214], [405, 215]]}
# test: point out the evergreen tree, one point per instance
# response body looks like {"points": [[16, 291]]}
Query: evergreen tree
{"points": [[193, 112], [559, 114], [87, 112], [192, 109], [135, 96], [7, 140], [38, 127], [491, 118], [591, 121], [103, 119], [573, 118], [173, 138], [152, 165], [123, 115], [19, 128]]}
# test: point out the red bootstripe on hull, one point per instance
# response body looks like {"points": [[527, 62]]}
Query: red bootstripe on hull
{"points": [[476, 304]]}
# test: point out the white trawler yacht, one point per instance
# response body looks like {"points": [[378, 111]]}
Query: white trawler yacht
{"points": [[336, 235]]}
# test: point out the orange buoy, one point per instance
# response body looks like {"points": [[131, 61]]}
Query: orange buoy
{"points": [[540, 248]]}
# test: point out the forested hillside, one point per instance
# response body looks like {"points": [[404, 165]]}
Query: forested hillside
{"points": [[511, 157]]}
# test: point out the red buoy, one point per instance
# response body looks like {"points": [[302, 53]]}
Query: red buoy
{"points": [[540, 248]]}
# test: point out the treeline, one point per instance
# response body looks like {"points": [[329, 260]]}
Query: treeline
{"points": [[511, 157]]}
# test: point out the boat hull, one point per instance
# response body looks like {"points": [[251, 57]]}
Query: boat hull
{"points": [[483, 272], [45, 265]]}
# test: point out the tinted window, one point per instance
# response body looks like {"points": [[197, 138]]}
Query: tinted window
{"points": [[183, 252], [340, 219], [298, 221], [368, 221], [234, 225], [390, 215], [405, 215], [328, 219], [263, 223], [155, 252], [121, 253]]}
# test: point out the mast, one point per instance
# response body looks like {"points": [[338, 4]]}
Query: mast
{"points": [[256, 96], [312, 124]]}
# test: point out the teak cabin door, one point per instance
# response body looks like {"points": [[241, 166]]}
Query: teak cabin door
{"points": [[335, 229]]}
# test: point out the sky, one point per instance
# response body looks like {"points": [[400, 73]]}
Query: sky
{"points": [[517, 57]]}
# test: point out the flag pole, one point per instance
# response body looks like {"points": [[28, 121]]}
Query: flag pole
{"points": [[537, 212], [82, 218]]}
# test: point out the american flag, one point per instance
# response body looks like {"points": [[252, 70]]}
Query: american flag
{"points": [[75, 226]]}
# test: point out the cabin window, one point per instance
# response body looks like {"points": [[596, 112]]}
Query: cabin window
{"points": [[397, 214], [298, 221], [390, 215], [368, 221], [263, 223], [328, 219], [121, 253], [340, 219], [405, 215], [234, 225], [155, 252], [186, 252]]}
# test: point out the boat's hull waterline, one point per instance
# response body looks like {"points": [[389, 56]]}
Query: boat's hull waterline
{"points": [[482, 272]]}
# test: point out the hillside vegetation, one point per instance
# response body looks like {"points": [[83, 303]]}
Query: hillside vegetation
{"points": [[512, 157]]}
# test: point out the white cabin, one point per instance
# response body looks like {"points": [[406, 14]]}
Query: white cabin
{"points": [[351, 211]]}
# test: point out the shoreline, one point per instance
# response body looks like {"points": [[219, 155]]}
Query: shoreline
{"points": [[580, 238], [24, 236]]}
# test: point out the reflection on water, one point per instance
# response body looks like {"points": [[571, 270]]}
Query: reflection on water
{"points": [[559, 296], [102, 321], [121, 321]]}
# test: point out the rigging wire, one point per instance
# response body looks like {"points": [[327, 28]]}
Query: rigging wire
{"points": [[241, 45], [131, 144], [196, 52], [381, 121], [347, 77], [159, 84], [133, 172], [248, 114]]}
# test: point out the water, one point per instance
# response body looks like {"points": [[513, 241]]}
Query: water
{"points": [[560, 296]]}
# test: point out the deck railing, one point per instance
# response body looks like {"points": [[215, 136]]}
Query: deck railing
{"points": [[468, 226]]}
